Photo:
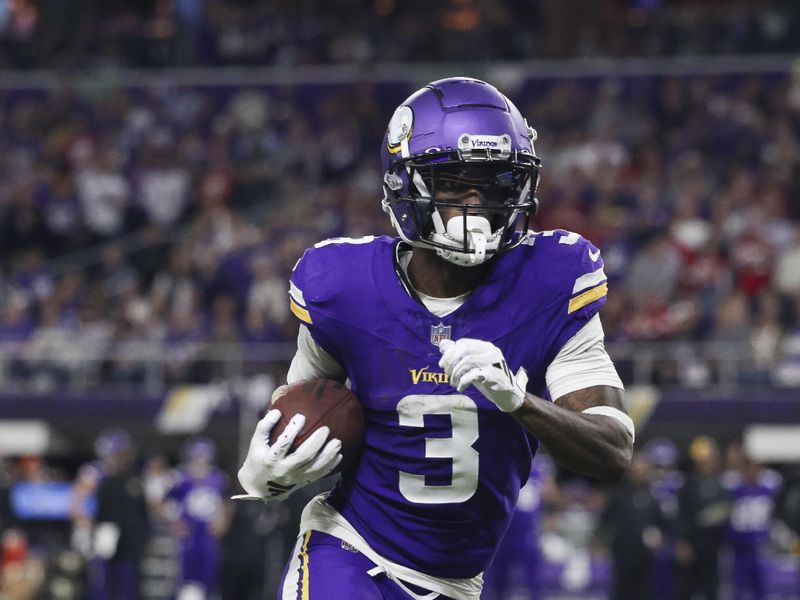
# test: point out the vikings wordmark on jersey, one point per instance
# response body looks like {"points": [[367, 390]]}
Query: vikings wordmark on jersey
{"points": [[437, 461]]}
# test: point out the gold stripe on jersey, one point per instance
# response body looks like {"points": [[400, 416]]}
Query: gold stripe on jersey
{"points": [[299, 312], [587, 297], [304, 591]]}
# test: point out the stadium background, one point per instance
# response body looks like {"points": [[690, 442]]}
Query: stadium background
{"points": [[163, 164]]}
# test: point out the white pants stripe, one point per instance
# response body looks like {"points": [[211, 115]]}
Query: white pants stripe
{"points": [[291, 585]]}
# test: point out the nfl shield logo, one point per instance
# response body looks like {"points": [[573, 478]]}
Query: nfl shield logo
{"points": [[439, 332]]}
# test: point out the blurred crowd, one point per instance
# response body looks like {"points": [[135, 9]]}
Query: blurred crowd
{"points": [[700, 521], [154, 228], [158, 33]]}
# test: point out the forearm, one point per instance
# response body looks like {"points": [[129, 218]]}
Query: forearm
{"points": [[593, 445]]}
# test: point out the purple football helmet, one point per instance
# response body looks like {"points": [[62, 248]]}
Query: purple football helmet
{"points": [[111, 443], [448, 140], [199, 449], [661, 452]]}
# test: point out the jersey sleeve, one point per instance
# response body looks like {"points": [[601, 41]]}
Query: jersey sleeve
{"points": [[320, 291], [312, 361], [178, 491], [581, 288], [582, 362]]}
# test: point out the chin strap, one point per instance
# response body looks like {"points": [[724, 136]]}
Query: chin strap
{"points": [[477, 240]]}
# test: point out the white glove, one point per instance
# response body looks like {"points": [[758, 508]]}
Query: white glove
{"points": [[272, 472], [482, 364]]}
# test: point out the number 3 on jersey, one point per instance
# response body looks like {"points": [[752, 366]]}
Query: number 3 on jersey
{"points": [[464, 418]]}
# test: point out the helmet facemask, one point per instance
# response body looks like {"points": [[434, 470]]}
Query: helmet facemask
{"points": [[441, 189]]}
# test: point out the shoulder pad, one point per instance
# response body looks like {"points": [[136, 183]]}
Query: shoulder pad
{"points": [[576, 267], [326, 271]]}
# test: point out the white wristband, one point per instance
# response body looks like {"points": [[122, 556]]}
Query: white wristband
{"points": [[614, 413]]}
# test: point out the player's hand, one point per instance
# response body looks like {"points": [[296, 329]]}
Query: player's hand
{"points": [[272, 472], [482, 364]]}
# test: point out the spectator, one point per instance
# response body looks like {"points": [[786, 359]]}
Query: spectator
{"points": [[163, 184], [16, 324], [666, 486], [633, 526], [48, 350], [121, 528], [6, 516], [730, 333], [653, 274], [787, 269], [21, 573], [517, 564], [224, 352], [267, 292], [175, 288], [184, 341], [754, 490], [786, 370], [116, 274], [704, 509], [104, 194], [203, 517], [253, 545], [57, 199], [31, 278], [766, 334]]}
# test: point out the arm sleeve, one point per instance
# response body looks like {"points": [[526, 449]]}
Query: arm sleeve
{"points": [[582, 362], [312, 361]]}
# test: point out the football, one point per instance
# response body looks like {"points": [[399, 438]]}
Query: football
{"points": [[323, 402]]}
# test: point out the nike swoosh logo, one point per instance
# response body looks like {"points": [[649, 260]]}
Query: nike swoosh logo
{"points": [[594, 255]]}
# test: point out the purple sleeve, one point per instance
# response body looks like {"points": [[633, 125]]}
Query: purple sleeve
{"points": [[581, 287], [178, 491], [321, 284]]}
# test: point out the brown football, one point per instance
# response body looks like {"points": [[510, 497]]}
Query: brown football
{"points": [[323, 402]]}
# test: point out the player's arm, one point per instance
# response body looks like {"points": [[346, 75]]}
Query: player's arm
{"points": [[311, 361], [271, 471], [598, 445], [586, 429]]}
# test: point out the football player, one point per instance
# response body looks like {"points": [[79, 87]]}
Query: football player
{"points": [[199, 499], [754, 490], [468, 339]]}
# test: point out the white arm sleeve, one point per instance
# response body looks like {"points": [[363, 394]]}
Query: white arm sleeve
{"points": [[582, 362], [311, 361]]}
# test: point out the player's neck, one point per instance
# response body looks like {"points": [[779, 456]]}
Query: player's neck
{"points": [[434, 276]]}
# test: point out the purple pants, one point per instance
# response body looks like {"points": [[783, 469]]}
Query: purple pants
{"points": [[113, 579], [748, 575], [201, 562], [321, 569]]}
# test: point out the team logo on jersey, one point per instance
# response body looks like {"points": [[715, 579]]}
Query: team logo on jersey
{"points": [[439, 332], [423, 375]]}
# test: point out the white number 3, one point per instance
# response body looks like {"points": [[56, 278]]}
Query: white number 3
{"points": [[464, 417]]}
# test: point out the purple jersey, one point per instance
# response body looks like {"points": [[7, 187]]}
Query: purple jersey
{"points": [[200, 500], [666, 489], [752, 507], [441, 470]]}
